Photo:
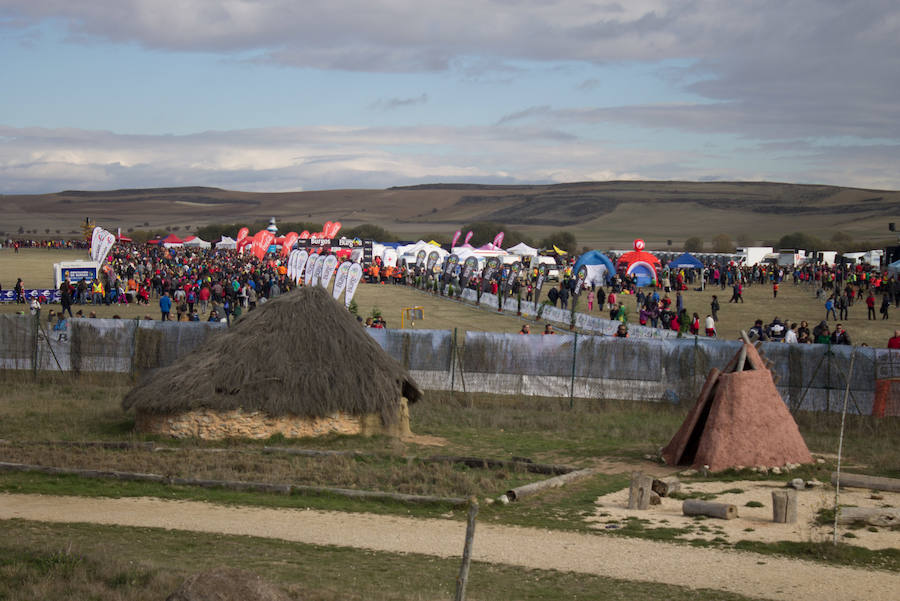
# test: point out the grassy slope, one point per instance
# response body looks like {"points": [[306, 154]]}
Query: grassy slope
{"points": [[603, 214]]}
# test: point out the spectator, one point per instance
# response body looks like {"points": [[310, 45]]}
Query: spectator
{"points": [[526, 329], [622, 331], [894, 342], [840, 335], [710, 326]]}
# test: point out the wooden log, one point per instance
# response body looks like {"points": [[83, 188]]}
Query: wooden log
{"points": [[724, 511], [535, 487], [742, 359], [639, 491], [870, 482], [784, 506], [666, 486], [874, 516]]}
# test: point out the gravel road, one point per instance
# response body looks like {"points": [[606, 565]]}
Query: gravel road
{"points": [[613, 556]]}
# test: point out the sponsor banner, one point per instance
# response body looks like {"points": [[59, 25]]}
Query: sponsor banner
{"points": [[302, 257], [320, 268], [468, 272], [51, 295], [490, 267], [101, 243], [456, 236], [95, 242], [292, 263], [542, 275], [420, 258], [329, 263], [288, 243], [75, 274], [353, 276], [242, 233], [580, 278], [340, 280], [468, 237], [261, 243], [334, 243], [433, 257], [514, 270], [311, 265], [498, 239], [450, 266]]}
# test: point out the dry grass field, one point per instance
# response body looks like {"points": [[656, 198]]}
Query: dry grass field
{"points": [[600, 214], [794, 303]]}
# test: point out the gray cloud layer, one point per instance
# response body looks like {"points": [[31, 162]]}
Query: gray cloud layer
{"points": [[808, 73]]}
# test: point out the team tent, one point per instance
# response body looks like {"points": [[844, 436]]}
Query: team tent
{"points": [[171, 241], [599, 267], [196, 242], [226, 243], [523, 250], [894, 267], [685, 261]]}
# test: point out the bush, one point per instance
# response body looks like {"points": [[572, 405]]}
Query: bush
{"points": [[693, 244]]}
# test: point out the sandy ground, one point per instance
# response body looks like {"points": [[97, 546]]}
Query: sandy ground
{"points": [[617, 557], [754, 523]]}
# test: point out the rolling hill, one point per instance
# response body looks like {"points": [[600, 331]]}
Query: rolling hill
{"points": [[604, 214]]}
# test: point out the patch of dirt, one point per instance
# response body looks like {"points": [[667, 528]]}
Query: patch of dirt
{"points": [[425, 440], [752, 523]]}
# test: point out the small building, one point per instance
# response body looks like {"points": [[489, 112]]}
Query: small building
{"points": [[300, 365]]}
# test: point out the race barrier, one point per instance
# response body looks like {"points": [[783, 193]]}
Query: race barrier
{"points": [[671, 370]]}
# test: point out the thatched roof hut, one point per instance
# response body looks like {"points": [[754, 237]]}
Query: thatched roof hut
{"points": [[301, 354]]}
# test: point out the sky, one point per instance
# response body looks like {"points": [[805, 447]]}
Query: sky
{"points": [[279, 95]]}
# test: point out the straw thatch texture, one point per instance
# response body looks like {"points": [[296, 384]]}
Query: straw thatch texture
{"points": [[299, 354]]}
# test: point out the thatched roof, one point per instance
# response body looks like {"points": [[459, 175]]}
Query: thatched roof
{"points": [[302, 353]]}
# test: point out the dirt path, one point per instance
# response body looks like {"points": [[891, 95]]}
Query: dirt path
{"points": [[616, 557]]}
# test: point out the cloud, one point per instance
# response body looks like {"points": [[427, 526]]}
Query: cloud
{"points": [[389, 104]]}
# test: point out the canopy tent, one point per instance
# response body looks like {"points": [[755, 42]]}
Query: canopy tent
{"points": [[196, 242], [685, 261], [894, 267], [226, 243], [523, 250], [489, 250], [599, 267], [171, 240]]}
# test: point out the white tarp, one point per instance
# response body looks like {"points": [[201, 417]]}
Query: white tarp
{"points": [[196, 242], [523, 250], [226, 243]]}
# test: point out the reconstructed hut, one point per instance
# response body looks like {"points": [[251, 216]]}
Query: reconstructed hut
{"points": [[738, 420], [299, 365]]}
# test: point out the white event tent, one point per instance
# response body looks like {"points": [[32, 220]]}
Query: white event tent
{"points": [[226, 243]]}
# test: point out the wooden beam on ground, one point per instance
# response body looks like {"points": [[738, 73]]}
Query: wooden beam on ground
{"points": [[724, 511], [870, 482], [535, 487]]}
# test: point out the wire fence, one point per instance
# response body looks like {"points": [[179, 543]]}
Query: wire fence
{"points": [[583, 366]]}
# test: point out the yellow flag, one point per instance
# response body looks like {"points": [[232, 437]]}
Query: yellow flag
{"points": [[558, 250]]}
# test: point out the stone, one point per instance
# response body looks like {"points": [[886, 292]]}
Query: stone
{"points": [[820, 460], [503, 499], [814, 483], [655, 499], [797, 483], [776, 470]]}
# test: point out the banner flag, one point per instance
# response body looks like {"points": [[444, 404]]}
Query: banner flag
{"points": [[542, 275], [456, 236], [468, 237], [353, 276], [320, 269], [328, 270], [333, 231], [498, 239], [433, 257], [489, 268], [310, 278], [420, 258], [288, 243], [242, 233], [261, 243], [579, 281], [450, 267], [469, 268], [513, 274], [95, 242], [292, 264], [340, 280], [302, 260]]}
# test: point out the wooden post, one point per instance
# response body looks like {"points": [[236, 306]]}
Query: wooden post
{"points": [[639, 492], [463, 578], [722, 511], [784, 506], [870, 482]]}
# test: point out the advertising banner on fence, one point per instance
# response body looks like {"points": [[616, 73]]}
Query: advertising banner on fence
{"points": [[328, 270]]}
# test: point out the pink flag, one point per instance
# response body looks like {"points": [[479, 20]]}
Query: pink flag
{"points": [[498, 239], [335, 228], [468, 237], [242, 233], [455, 238]]}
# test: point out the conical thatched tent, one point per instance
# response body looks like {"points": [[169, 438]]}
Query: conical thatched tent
{"points": [[299, 365], [739, 420]]}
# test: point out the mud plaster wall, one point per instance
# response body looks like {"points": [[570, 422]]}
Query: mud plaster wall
{"points": [[209, 424]]}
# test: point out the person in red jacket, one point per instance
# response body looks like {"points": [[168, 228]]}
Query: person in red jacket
{"points": [[870, 303], [895, 341]]}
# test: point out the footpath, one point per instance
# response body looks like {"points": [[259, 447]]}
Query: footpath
{"points": [[739, 572]]}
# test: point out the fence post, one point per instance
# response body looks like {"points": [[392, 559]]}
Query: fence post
{"points": [[572, 382], [463, 579], [452, 361], [34, 344], [137, 324]]}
